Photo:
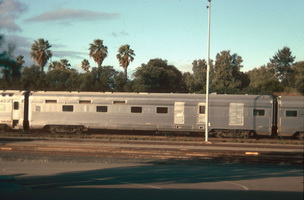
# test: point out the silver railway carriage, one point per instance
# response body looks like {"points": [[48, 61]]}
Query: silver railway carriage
{"points": [[291, 116], [12, 109], [77, 112], [241, 115]]}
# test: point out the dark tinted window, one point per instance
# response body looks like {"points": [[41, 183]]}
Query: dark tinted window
{"points": [[291, 113], [257, 112], [202, 109], [16, 105], [119, 102], [50, 101], [101, 108], [136, 109], [84, 101], [162, 110], [67, 108]]}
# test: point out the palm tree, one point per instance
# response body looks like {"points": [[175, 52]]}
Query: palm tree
{"points": [[40, 52], [63, 64], [125, 56], [20, 60], [85, 65], [98, 51]]}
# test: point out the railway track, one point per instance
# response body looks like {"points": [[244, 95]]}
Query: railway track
{"points": [[144, 136], [161, 148]]}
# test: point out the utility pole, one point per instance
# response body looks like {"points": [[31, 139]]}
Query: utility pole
{"points": [[207, 77]]}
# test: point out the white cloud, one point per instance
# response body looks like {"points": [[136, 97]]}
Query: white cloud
{"points": [[70, 54], [70, 14], [9, 12]]}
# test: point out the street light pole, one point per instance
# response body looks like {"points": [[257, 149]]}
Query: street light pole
{"points": [[207, 77]]}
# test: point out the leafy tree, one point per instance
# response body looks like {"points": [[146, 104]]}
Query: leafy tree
{"points": [[10, 67], [281, 63], [199, 68], [40, 52], [33, 79], [11, 70], [188, 81], [259, 75], [98, 51], [125, 56], [157, 76], [85, 65], [122, 84], [103, 78], [270, 86], [227, 73], [62, 80], [86, 82], [297, 76]]}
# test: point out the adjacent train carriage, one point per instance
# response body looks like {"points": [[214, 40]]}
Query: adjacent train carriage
{"points": [[12, 112], [290, 116], [241, 115]]}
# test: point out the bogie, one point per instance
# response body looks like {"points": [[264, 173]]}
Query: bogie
{"points": [[66, 129]]}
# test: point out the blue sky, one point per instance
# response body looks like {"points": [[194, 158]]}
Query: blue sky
{"points": [[175, 30]]}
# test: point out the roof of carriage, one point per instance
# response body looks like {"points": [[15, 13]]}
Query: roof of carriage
{"points": [[149, 96]]}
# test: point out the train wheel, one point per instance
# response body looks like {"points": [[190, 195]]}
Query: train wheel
{"points": [[52, 129], [58, 129], [3, 128], [77, 130], [219, 134], [301, 136], [247, 134]]}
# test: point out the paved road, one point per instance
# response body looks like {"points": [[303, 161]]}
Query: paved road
{"points": [[118, 179]]}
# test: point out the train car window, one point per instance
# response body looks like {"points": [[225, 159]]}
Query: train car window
{"points": [[67, 108], [16, 105], [50, 101], [101, 108], [136, 109], [161, 110], [201, 109], [38, 108], [119, 102], [8, 94], [257, 112], [84, 101], [2, 107], [291, 113]]}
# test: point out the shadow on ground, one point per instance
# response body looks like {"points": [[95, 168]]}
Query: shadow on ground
{"points": [[153, 180]]}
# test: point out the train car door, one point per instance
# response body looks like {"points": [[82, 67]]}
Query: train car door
{"points": [[201, 117], [16, 113], [179, 113], [236, 114]]}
